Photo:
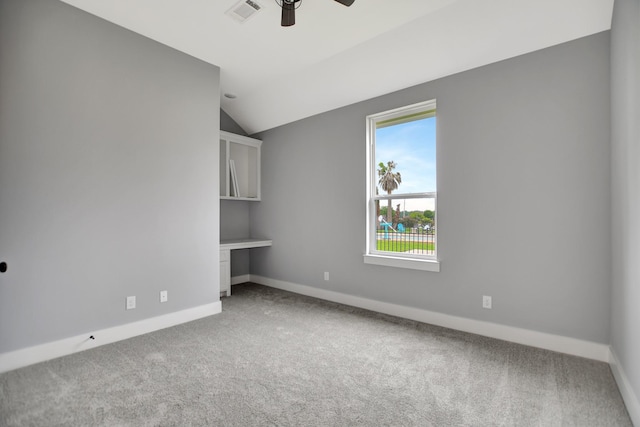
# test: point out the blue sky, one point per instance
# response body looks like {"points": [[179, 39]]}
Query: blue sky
{"points": [[412, 146]]}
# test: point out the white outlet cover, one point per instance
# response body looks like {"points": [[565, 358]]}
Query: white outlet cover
{"points": [[164, 296], [486, 301], [131, 302]]}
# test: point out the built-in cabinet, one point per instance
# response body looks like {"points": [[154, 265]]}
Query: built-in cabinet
{"points": [[225, 271], [239, 180], [239, 167]]}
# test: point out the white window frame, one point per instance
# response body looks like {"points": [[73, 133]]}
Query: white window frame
{"points": [[372, 255]]}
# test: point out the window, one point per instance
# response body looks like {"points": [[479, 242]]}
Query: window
{"points": [[401, 188]]}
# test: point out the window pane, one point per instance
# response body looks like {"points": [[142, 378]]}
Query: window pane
{"points": [[406, 226], [407, 149]]}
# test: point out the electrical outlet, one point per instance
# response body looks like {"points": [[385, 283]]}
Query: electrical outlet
{"points": [[131, 303], [486, 301], [326, 275], [164, 296]]}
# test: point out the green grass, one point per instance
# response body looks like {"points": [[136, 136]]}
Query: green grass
{"points": [[403, 246]]}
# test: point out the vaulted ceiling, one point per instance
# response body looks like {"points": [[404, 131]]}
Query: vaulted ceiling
{"points": [[336, 55]]}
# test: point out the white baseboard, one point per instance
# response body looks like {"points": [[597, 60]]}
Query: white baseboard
{"points": [[628, 395], [40, 353], [244, 278], [561, 344]]}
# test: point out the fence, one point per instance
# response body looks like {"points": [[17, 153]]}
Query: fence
{"points": [[410, 240]]}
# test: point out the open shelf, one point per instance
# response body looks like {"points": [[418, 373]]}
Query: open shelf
{"points": [[243, 154]]}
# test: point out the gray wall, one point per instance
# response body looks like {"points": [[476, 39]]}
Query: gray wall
{"points": [[108, 175], [234, 214], [523, 196], [235, 224], [230, 125], [625, 138]]}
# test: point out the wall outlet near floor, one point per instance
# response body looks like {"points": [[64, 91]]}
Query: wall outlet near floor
{"points": [[326, 275], [131, 303], [164, 296], [486, 301]]}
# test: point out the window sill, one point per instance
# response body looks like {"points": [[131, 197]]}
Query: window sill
{"points": [[391, 261]]}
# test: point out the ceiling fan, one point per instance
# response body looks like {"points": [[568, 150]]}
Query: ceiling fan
{"points": [[289, 10]]}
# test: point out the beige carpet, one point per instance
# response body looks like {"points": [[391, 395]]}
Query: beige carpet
{"points": [[273, 358]]}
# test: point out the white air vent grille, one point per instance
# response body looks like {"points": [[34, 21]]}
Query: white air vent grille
{"points": [[244, 10]]}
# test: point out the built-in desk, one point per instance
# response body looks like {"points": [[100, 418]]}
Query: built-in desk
{"points": [[226, 246]]}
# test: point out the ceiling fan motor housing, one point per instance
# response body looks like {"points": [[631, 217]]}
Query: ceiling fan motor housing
{"points": [[289, 10]]}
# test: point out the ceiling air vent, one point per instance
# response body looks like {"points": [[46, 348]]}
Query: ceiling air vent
{"points": [[243, 10]]}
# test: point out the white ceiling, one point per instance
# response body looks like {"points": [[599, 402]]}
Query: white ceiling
{"points": [[336, 55]]}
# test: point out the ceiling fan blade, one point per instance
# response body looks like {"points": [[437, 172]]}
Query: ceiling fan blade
{"points": [[346, 2], [288, 13]]}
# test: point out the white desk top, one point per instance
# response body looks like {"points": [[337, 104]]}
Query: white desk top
{"points": [[244, 243]]}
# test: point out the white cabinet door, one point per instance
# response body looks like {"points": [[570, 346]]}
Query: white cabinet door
{"points": [[225, 272]]}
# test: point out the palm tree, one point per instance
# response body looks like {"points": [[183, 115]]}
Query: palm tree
{"points": [[388, 181]]}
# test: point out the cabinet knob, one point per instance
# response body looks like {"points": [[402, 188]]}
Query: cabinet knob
{"points": [[3, 267]]}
